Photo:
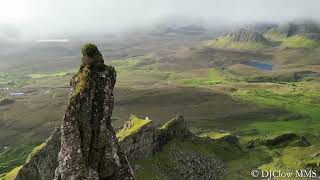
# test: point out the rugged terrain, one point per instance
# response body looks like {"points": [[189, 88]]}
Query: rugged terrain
{"points": [[259, 86]]}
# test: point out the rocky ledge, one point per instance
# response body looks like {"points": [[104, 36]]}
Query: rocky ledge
{"points": [[138, 139], [141, 138], [244, 35]]}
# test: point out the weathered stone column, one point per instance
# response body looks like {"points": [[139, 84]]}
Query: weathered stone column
{"points": [[89, 147]]}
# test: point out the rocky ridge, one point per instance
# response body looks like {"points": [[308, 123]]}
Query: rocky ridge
{"points": [[142, 143], [86, 147], [150, 138], [244, 35]]}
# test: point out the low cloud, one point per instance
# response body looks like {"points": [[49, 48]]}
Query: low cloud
{"points": [[46, 18]]}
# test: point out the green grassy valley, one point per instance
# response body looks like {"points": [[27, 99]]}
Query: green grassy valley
{"points": [[258, 90]]}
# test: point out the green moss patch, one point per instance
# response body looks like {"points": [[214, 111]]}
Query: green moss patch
{"points": [[83, 81], [12, 174], [35, 151], [135, 124], [167, 124]]}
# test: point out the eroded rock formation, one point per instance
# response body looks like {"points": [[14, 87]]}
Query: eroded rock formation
{"points": [[86, 146], [150, 138], [244, 35], [136, 142], [43, 160], [89, 147], [87, 143]]}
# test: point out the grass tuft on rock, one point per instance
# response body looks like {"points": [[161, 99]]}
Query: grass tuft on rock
{"points": [[133, 126], [35, 151], [168, 124], [12, 174]]}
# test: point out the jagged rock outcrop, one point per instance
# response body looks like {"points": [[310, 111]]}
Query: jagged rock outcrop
{"points": [[89, 148], [304, 28], [192, 166], [86, 147], [139, 138], [244, 35], [307, 28], [150, 138], [43, 160]]}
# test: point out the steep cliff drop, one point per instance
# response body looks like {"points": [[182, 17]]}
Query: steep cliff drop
{"points": [[89, 147]]}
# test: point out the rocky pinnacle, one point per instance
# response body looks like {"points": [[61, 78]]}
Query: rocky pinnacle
{"points": [[89, 147]]}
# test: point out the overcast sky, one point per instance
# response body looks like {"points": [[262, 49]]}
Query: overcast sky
{"points": [[42, 17]]}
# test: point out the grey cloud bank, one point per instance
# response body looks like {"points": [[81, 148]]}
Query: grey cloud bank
{"points": [[49, 17]]}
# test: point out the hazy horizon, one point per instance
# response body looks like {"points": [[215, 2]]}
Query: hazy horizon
{"points": [[43, 19]]}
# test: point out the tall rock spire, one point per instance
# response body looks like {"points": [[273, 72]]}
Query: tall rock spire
{"points": [[89, 148]]}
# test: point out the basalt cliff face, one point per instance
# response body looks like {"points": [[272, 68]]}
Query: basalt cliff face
{"points": [[88, 146]]}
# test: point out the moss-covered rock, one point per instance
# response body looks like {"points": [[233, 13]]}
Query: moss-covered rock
{"points": [[12, 174], [87, 142], [43, 160], [89, 148], [91, 55], [132, 126], [141, 138]]}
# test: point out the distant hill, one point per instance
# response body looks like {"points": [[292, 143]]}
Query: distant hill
{"points": [[244, 35], [304, 34], [242, 39]]}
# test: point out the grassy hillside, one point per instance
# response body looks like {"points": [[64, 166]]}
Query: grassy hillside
{"points": [[299, 41], [228, 43]]}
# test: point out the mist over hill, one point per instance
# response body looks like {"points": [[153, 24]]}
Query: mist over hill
{"points": [[242, 79], [54, 19]]}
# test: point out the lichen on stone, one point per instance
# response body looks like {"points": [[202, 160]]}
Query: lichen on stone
{"points": [[81, 81]]}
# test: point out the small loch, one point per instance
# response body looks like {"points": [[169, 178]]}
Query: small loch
{"points": [[259, 65]]}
